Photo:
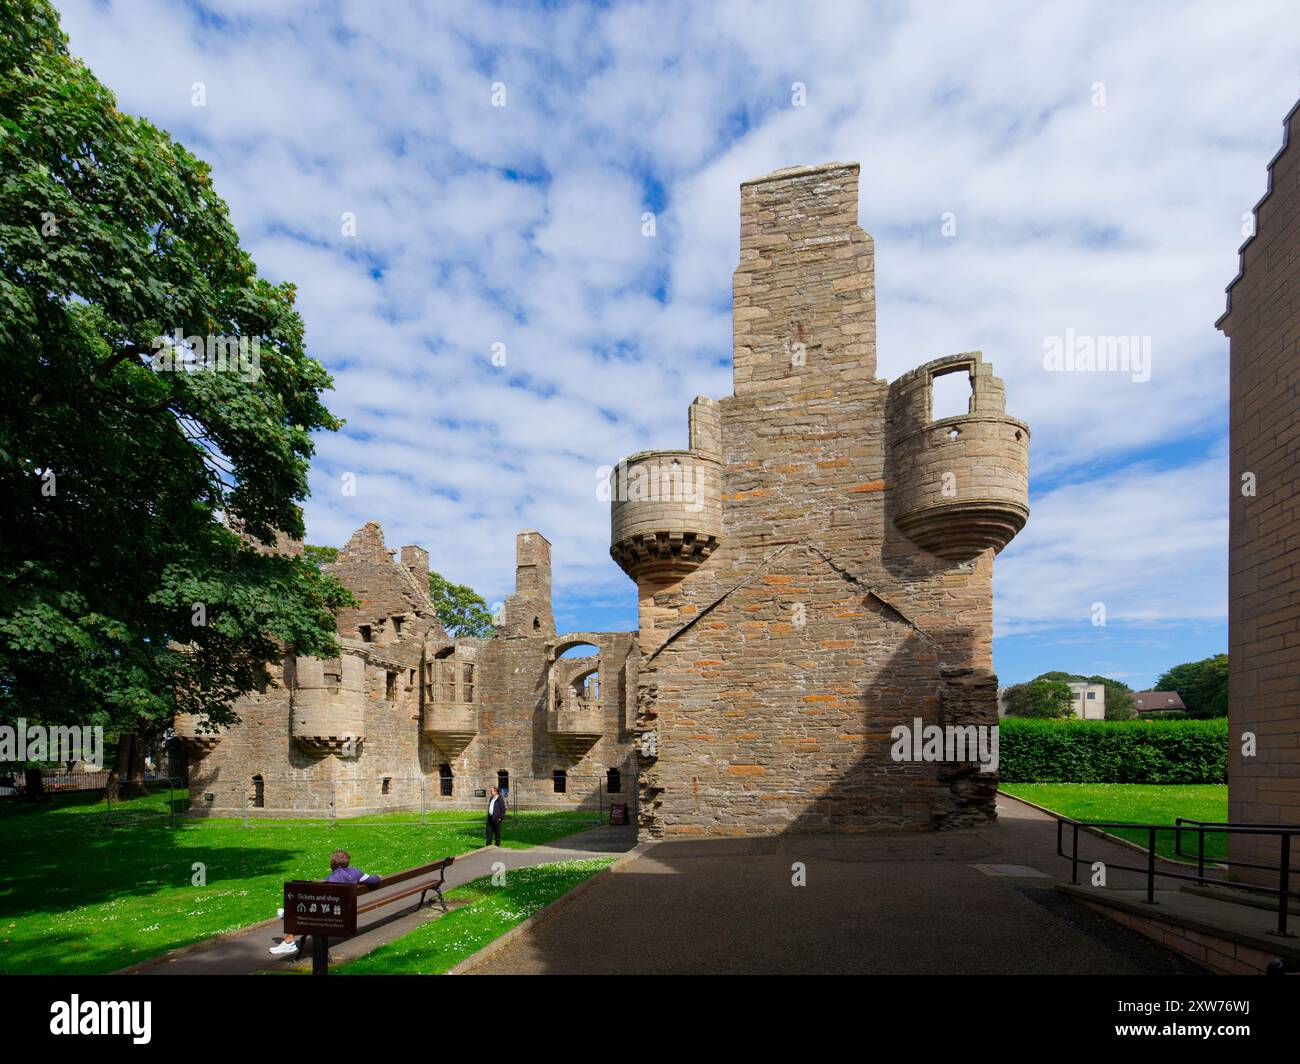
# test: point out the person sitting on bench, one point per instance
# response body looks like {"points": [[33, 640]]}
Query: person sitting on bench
{"points": [[341, 871]]}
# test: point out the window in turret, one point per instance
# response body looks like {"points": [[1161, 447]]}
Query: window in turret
{"points": [[364, 630], [950, 393]]}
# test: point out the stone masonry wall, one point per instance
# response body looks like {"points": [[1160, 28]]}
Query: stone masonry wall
{"points": [[395, 764]]}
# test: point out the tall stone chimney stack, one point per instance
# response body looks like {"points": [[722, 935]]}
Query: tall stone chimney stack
{"points": [[533, 582], [804, 298]]}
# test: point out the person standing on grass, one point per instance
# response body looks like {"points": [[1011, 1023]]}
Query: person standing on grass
{"points": [[496, 812], [341, 871]]}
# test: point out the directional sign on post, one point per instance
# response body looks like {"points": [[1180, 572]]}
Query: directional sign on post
{"points": [[324, 909]]}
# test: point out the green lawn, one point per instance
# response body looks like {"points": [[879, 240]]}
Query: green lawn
{"points": [[440, 945], [78, 896], [1137, 802]]}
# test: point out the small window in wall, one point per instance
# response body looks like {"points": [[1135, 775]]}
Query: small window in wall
{"points": [[444, 780], [614, 781], [387, 781], [397, 626], [390, 685], [259, 793], [560, 780], [950, 394], [364, 630], [1092, 694], [503, 782], [536, 623], [469, 682]]}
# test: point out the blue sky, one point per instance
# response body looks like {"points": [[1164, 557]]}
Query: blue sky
{"points": [[1099, 161]]}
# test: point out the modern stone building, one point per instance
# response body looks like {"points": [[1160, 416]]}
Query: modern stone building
{"points": [[409, 719], [814, 570], [818, 569], [1262, 323]]}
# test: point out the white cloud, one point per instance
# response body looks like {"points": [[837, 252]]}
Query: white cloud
{"points": [[521, 225]]}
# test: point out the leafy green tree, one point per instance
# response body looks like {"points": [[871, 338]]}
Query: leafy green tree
{"points": [[1202, 685], [462, 611], [124, 457], [319, 556], [1039, 698], [1212, 687]]}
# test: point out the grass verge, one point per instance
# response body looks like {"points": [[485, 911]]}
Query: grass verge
{"points": [[438, 946], [80, 897], [1137, 802]]}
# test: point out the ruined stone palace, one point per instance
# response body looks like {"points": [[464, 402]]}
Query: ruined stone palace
{"points": [[812, 570], [407, 718]]}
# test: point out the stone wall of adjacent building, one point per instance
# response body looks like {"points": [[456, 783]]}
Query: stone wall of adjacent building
{"points": [[1263, 326], [775, 669]]}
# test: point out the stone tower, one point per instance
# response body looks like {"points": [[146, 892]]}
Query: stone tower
{"points": [[815, 571]]}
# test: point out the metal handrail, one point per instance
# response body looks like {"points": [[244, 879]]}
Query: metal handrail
{"points": [[1282, 891]]}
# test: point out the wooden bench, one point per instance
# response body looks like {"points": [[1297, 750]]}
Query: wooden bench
{"points": [[439, 867], [419, 881]]}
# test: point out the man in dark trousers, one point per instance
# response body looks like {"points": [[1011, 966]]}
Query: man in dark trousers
{"points": [[496, 812]]}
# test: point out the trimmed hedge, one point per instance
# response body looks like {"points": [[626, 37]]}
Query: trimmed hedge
{"points": [[1113, 751]]}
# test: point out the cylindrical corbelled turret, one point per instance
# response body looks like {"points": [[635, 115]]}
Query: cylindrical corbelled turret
{"points": [[961, 483], [188, 732], [666, 510], [329, 699]]}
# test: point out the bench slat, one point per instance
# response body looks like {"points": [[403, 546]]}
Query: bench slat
{"points": [[402, 877]]}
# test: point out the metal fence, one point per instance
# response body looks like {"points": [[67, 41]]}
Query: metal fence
{"points": [[154, 800], [1288, 836], [13, 781], [387, 801]]}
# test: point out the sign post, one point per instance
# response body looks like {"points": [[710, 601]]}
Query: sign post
{"points": [[323, 911]]}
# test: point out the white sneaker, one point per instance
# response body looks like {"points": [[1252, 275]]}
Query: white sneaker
{"points": [[279, 913], [283, 949]]}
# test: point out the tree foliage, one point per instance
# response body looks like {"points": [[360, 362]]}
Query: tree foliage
{"points": [[462, 611], [124, 596], [1039, 698], [1202, 685]]}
